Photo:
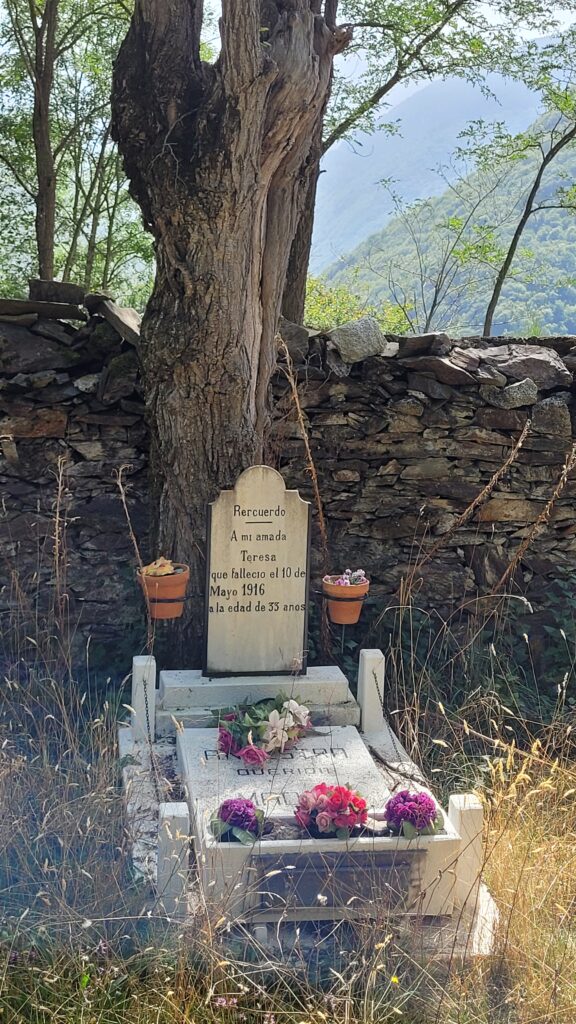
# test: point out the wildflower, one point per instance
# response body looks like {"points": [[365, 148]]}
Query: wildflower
{"points": [[226, 1001]]}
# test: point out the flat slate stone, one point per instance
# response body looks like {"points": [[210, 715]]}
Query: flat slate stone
{"points": [[52, 310], [55, 291], [21, 351], [125, 320]]}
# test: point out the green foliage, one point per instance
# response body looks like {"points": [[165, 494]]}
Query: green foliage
{"points": [[427, 38], [331, 305], [99, 236]]}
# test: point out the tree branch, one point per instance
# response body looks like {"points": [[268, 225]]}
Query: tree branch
{"points": [[411, 54], [552, 153], [330, 13], [16, 174]]}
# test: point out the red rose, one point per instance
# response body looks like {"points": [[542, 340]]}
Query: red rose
{"points": [[252, 755], [345, 820], [338, 798], [320, 788]]}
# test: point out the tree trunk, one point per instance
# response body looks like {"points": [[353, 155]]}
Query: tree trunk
{"points": [[294, 298], [529, 208], [215, 157], [44, 58]]}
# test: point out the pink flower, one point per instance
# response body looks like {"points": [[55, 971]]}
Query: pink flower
{"points": [[322, 802], [252, 755], [324, 822], [307, 800], [303, 818]]}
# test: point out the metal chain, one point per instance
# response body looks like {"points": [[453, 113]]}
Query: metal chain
{"points": [[153, 768]]}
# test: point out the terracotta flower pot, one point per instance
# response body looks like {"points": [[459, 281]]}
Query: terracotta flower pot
{"points": [[343, 609], [166, 593]]}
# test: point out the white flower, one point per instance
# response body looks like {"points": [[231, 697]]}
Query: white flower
{"points": [[299, 712], [276, 732]]}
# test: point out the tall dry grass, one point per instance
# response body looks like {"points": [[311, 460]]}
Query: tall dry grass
{"points": [[79, 943]]}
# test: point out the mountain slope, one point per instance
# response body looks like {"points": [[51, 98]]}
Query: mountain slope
{"points": [[540, 293], [350, 202]]}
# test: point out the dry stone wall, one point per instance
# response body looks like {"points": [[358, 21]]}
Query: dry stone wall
{"points": [[402, 444], [71, 414]]}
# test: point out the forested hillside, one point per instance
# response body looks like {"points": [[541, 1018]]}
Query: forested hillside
{"points": [[406, 258]]}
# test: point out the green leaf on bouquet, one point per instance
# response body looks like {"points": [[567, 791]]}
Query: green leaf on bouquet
{"points": [[218, 827], [246, 838], [408, 830], [342, 833]]}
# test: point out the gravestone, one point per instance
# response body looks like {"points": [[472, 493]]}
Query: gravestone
{"points": [[257, 578]]}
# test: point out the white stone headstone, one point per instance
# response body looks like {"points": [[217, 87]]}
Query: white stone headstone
{"points": [[257, 578]]}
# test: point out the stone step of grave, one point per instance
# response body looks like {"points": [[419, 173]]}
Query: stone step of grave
{"points": [[346, 713], [324, 685]]}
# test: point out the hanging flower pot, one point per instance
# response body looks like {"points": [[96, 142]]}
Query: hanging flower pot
{"points": [[165, 583], [346, 595]]}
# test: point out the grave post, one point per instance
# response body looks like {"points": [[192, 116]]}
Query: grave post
{"points": [[371, 690], [173, 847], [467, 816], [143, 701]]}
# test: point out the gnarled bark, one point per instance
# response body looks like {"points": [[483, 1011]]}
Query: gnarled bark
{"points": [[216, 156]]}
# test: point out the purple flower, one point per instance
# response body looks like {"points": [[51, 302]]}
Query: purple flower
{"points": [[240, 813], [418, 809], [226, 742]]}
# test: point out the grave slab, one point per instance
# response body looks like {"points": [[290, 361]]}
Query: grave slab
{"points": [[325, 685], [368, 875], [257, 578]]}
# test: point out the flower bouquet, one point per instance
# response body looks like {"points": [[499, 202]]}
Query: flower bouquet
{"points": [[413, 814], [238, 819], [330, 811], [254, 731], [345, 593]]}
